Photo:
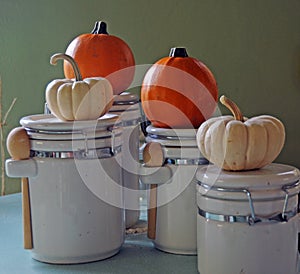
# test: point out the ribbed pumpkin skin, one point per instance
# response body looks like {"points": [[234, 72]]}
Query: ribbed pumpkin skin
{"points": [[235, 145], [102, 55], [81, 100], [178, 92]]}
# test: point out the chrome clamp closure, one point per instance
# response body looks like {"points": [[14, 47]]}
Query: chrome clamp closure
{"points": [[244, 219], [285, 188], [130, 102], [111, 130], [97, 153], [252, 219], [129, 123], [161, 137], [79, 154], [186, 161]]}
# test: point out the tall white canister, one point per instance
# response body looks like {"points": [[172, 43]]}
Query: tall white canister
{"points": [[248, 222], [176, 193], [75, 187], [127, 106]]}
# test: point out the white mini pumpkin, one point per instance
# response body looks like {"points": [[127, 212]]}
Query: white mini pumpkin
{"points": [[236, 143], [82, 99]]}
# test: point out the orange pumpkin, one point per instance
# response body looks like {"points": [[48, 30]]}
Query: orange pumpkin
{"points": [[178, 91], [99, 54]]}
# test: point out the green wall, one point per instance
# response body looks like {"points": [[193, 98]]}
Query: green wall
{"points": [[252, 47]]}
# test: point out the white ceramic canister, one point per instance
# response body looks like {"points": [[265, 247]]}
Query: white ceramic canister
{"points": [[127, 106], [75, 187], [176, 230], [248, 222]]}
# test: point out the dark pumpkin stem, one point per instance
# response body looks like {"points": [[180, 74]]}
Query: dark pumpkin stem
{"points": [[178, 52], [100, 28]]}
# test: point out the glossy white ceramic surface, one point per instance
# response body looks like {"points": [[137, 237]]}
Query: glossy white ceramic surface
{"points": [[176, 220], [176, 194], [126, 105], [70, 223], [226, 248]]}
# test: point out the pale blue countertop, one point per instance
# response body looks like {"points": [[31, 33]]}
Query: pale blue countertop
{"points": [[137, 255]]}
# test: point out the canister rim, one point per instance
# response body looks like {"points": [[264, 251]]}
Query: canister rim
{"points": [[268, 178], [172, 133], [50, 123]]}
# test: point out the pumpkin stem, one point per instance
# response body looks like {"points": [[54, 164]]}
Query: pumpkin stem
{"points": [[237, 114], [68, 58], [178, 52], [100, 28]]}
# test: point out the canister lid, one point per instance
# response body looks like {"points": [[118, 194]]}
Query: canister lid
{"points": [[182, 133], [271, 175], [127, 105], [50, 122], [47, 133], [177, 138], [177, 143], [126, 98], [264, 192], [169, 136]]}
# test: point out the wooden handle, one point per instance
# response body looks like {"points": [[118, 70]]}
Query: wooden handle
{"points": [[27, 233], [152, 210], [153, 157], [18, 146]]}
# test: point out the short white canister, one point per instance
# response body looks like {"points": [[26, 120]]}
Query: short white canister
{"points": [[127, 106], [75, 187], [176, 227], [248, 222]]}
